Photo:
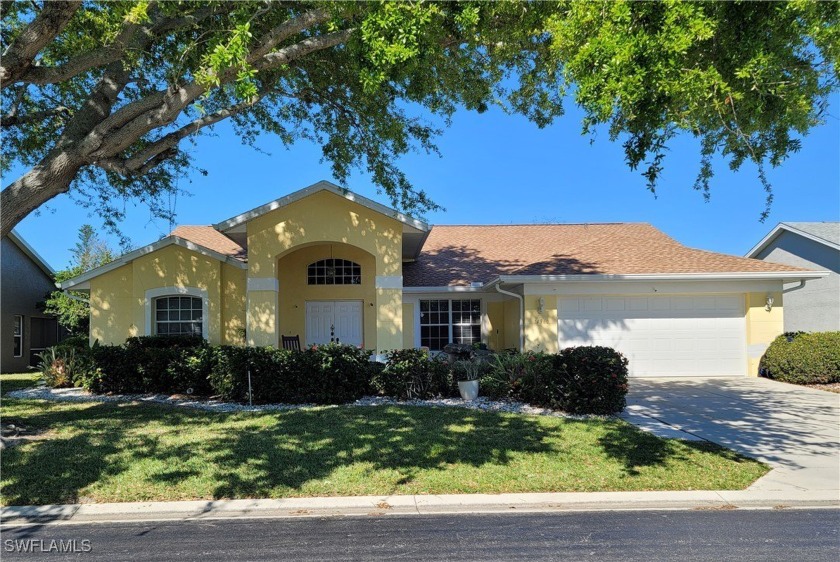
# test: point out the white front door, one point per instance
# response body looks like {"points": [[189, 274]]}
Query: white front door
{"points": [[661, 335], [334, 321]]}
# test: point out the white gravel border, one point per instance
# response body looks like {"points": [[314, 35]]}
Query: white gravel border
{"points": [[480, 403]]}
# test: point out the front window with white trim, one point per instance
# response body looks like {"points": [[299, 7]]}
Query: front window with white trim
{"points": [[444, 320], [18, 336], [179, 316]]}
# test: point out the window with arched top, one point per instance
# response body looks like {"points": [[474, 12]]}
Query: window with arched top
{"points": [[334, 271]]}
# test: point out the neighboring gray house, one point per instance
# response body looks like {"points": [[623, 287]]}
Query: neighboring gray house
{"points": [[25, 281], [812, 245]]}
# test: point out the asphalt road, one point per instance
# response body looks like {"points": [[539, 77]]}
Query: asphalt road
{"points": [[630, 535]]}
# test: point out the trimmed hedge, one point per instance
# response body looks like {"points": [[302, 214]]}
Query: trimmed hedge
{"points": [[328, 374], [580, 380], [803, 358]]}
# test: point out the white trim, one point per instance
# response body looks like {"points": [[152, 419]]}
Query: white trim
{"points": [[767, 240], [601, 277], [263, 284], [389, 282], [652, 287], [444, 289], [152, 294], [322, 185], [449, 298], [21, 336], [140, 252], [31, 253]]}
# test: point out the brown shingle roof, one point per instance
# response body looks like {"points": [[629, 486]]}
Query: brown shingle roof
{"points": [[211, 239], [458, 255]]}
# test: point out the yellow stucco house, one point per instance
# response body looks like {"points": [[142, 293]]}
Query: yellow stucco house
{"points": [[325, 264]]}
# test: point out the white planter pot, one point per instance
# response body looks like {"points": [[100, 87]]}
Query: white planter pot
{"points": [[468, 389]]}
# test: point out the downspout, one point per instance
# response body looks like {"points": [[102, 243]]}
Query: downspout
{"points": [[796, 288], [521, 314]]}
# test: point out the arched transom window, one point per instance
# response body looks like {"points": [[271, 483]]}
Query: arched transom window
{"points": [[334, 271]]}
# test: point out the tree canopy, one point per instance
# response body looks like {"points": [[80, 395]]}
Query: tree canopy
{"points": [[98, 97], [71, 307]]}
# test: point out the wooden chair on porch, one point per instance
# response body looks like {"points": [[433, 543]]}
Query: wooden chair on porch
{"points": [[291, 342]]}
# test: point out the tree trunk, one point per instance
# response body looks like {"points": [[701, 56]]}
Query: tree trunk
{"points": [[51, 177]]}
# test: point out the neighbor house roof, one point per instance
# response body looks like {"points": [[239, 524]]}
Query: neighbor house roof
{"points": [[459, 255], [827, 233], [31, 253]]}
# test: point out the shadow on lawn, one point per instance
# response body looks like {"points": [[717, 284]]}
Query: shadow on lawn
{"points": [[310, 445], [200, 454], [256, 455], [636, 449]]}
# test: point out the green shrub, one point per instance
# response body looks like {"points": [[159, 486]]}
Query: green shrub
{"points": [[589, 380], [117, 370], [328, 374], [160, 364], [228, 372], [165, 342], [517, 376], [803, 358], [79, 343], [583, 380], [413, 374], [578, 380], [62, 366]]}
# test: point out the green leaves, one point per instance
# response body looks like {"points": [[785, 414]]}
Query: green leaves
{"points": [[231, 56], [748, 79], [744, 77]]}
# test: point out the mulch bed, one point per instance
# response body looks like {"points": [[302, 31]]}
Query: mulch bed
{"points": [[830, 387]]}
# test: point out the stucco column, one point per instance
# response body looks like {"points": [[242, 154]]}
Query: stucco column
{"points": [[261, 307], [389, 313], [763, 326], [541, 323]]}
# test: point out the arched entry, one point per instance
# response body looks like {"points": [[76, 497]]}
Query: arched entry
{"points": [[327, 294]]}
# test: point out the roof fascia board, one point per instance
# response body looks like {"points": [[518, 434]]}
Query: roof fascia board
{"points": [[315, 188], [602, 277], [140, 252], [767, 240], [31, 253]]}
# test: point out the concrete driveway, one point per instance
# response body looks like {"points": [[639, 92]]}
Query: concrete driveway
{"points": [[794, 429]]}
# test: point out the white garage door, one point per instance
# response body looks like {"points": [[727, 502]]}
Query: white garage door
{"points": [[661, 335]]}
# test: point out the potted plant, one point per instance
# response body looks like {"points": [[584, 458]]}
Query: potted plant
{"points": [[467, 374]]}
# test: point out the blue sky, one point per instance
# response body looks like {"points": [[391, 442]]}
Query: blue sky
{"points": [[497, 168]]}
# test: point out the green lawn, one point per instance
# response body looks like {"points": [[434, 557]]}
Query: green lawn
{"points": [[132, 452], [17, 381]]}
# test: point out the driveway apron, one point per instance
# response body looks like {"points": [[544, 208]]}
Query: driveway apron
{"points": [[794, 429]]}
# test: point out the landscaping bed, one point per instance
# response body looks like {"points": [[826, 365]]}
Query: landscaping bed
{"points": [[117, 452], [577, 380]]}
